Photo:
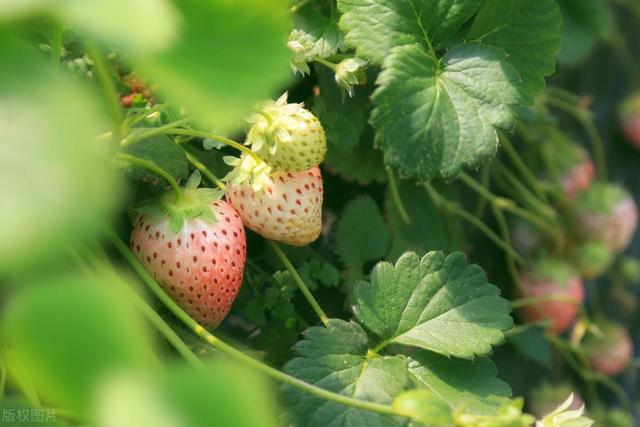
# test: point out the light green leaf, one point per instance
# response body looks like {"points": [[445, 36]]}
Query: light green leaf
{"points": [[132, 25], [438, 303], [361, 234], [184, 396], [584, 22], [529, 33], [244, 59], [468, 385], [60, 183], [71, 333], [440, 116], [423, 406], [334, 358], [374, 27]]}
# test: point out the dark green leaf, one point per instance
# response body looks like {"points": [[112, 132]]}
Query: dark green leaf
{"points": [[374, 27], [469, 385], [334, 358], [440, 116], [529, 33], [438, 303], [361, 234], [584, 22], [531, 344], [164, 153]]}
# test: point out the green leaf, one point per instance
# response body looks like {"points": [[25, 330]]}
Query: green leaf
{"points": [[361, 234], [531, 344], [440, 116], [244, 59], [163, 152], [584, 22], [423, 406], [184, 396], [327, 37], [469, 385], [374, 27], [334, 358], [438, 303], [343, 118], [361, 163], [60, 184], [529, 33], [72, 333], [429, 229], [133, 25]]}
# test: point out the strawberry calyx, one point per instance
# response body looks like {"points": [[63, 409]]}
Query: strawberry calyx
{"points": [[552, 270], [601, 198], [191, 203]]}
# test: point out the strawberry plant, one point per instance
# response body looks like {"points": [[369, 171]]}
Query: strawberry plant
{"points": [[319, 213]]}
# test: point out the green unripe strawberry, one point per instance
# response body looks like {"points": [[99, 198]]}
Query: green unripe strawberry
{"points": [[287, 136]]}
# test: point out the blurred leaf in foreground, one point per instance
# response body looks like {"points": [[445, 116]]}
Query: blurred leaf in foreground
{"points": [[58, 185], [71, 333], [221, 394]]}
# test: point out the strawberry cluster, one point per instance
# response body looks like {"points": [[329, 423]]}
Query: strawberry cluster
{"points": [[280, 196], [194, 243], [599, 221]]}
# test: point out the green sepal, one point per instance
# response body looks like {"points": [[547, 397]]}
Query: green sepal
{"points": [[195, 203], [194, 180]]}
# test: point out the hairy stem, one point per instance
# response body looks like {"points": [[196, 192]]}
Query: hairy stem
{"points": [[511, 265], [203, 169], [152, 167], [508, 205], [524, 170], [454, 209], [298, 280], [395, 195], [161, 130], [585, 119], [226, 141], [231, 351]]}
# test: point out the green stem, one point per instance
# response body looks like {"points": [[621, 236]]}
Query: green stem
{"points": [[231, 351], [326, 63], [509, 206], [454, 209], [524, 170], [56, 45], [522, 302], [511, 265], [108, 87], [226, 141], [584, 118], [203, 169], [395, 195], [152, 167], [485, 181], [161, 130], [296, 278], [527, 197]]}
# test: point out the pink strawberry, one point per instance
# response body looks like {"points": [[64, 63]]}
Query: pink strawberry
{"points": [[610, 351], [287, 208], [551, 277], [607, 213], [200, 265], [630, 118], [574, 167]]}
